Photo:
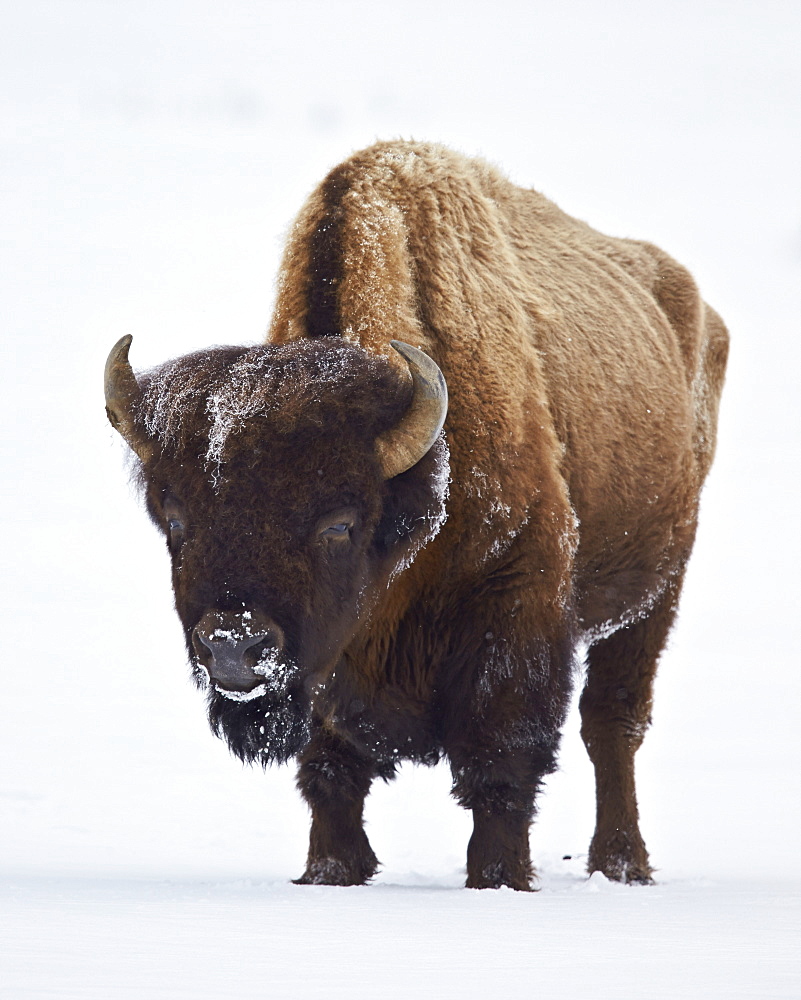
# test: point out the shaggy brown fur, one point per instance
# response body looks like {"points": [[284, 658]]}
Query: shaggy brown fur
{"points": [[584, 375]]}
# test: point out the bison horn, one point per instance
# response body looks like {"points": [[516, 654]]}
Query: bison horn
{"points": [[405, 444], [122, 393]]}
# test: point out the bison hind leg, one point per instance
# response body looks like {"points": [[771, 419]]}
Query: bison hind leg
{"points": [[615, 710], [621, 858]]}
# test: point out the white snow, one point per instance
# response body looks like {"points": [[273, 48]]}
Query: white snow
{"points": [[278, 671], [153, 157], [255, 692]]}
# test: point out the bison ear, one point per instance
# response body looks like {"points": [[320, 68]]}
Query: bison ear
{"points": [[405, 444], [122, 395]]}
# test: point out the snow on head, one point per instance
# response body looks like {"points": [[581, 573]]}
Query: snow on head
{"points": [[279, 675], [175, 395], [257, 692], [232, 403], [212, 395]]}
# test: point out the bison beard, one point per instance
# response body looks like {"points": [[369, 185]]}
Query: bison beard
{"points": [[407, 594], [262, 730]]}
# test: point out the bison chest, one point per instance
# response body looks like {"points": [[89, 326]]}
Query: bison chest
{"points": [[393, 725]]}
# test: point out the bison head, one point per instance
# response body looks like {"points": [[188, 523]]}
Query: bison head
{"points": [[291, 484]]}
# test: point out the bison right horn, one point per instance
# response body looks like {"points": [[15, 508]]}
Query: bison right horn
{"points": [[122, 393], [405, 444]]}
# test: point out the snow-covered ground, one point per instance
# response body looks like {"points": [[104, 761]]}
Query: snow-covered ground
{"points": [[153, 155]]}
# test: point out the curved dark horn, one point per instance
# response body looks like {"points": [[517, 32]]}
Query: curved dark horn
{"points": [[122, 392], [405, 444]]}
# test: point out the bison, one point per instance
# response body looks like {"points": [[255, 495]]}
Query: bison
{"points": [[468, 455]]}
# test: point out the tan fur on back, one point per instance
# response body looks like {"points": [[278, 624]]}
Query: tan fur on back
{"points": [[584, 371]]}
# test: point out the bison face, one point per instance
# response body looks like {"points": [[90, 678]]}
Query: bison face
{"points": [[291, 484]]}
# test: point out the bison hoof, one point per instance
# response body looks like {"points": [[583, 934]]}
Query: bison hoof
{"points": [[617, 868], [332, 871], [629, 874], [621, 857], [498, 876]]}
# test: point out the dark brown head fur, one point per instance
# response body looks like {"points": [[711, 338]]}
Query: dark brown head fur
{"points": [[265, 483]]}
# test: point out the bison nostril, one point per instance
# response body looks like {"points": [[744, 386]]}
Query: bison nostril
{"points": [[202, 649], [268, 643]]}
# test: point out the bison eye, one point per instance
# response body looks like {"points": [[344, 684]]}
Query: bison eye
{"points": [[336, 526], [173, 513], [340, 530], [175, 533]]}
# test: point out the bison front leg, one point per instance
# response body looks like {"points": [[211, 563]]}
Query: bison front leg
{"points": [[498, 852], [334, 780], [502, 742], [500, 791], [499, 762], [615, 714]]}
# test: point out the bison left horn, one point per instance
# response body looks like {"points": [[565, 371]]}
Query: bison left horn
{"points": [[403, 446], [122, 393]]}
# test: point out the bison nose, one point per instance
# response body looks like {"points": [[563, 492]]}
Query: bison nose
{"points": [[230, 645]]}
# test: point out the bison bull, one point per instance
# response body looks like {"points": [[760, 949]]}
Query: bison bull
{"points": [[361, 585]]}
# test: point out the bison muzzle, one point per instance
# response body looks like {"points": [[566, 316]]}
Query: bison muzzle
{"points": [[472, 446]]}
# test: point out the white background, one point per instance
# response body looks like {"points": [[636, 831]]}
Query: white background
{"points": [[153, 156]]}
